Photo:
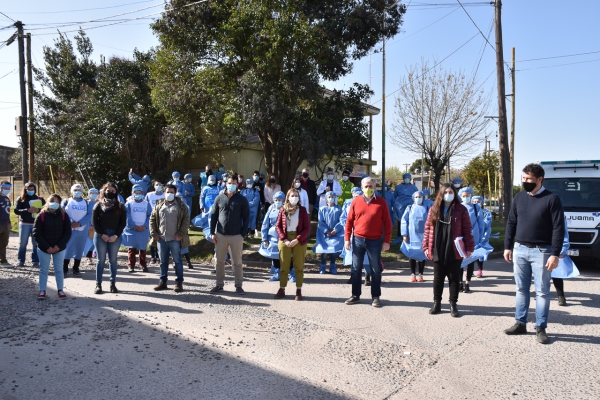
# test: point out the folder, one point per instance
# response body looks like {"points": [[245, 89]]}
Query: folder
{"points": [[37, 204], [460, 246]]}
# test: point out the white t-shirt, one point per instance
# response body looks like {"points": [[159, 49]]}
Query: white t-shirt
{"points": [[292, 222]]}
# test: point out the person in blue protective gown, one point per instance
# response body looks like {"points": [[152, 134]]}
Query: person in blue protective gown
{"points": [[477, 222], [457, 183], [330, 233], [188, 192], [346, 255], [412, 227], [389, 198], [252, 194], [270, 239], [402, 198], [427, 202], [137, 230], [207, 198], [222, 184], [204, 176], [176, 180], [485, 241], [152, 198], [80, 213], [144, 182], [89, 248]]}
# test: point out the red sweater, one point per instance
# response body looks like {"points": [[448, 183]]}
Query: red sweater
{"points": [[369, 220]]}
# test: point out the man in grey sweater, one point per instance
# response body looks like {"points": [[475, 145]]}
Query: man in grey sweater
{"points": [[228, 223]]}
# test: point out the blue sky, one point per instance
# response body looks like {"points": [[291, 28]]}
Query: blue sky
{"points": [[555, 117]]}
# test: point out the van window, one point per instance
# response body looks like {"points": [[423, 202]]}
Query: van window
{"points": [[576, 194]]}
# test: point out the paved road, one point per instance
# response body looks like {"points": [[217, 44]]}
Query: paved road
{"points": [[144, 344]]}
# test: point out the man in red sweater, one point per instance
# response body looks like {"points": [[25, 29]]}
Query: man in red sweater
{"points": [[369, 221]]}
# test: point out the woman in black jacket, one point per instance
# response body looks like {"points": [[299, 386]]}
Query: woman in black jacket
{"points": [[108, 219], [26, 210], [52, 231]]}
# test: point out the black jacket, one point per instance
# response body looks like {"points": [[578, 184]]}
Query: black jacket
{"points": [[108, 220], [55, 230], [23, 205], [312, 191], [230, 216]]}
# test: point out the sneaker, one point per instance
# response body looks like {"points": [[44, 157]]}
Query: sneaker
{"points": [[36, 264], [61, 295], [77, 273], [413, 278], [562, 301], [113, 288], [280, 294], [376, 303], [161, 286], [6, 264], [190, 266], [145, 269], [42, 295], [467, 289], [540, 335], [516, 329], [216, 289], [353, 300], [367, 280], [239, 290], [98, 289], [420, 278], [480, 273], [178, 287], [130, 269]]}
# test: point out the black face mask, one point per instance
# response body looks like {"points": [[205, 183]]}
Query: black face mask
{"points": [[272, 180], [529, 186], [305, 176], [209, 172], [110, 195]]}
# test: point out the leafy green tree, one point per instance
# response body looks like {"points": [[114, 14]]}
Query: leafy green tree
{"points": [[227, 70], [475, 174], [415, 168]]}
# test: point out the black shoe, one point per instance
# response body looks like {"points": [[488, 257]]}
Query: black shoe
{"points": [[145, 269], [516, 329], [76, 273], [161, 286], [461, 288], [353, 300], [562, 301], [65, 271], [216, 289], [98, 289], [190, 266], [178, 287], [113, 288], [540, 334], [131, 269], [368, 280], [453, 309], [437, 307], [376, 303], [239, 290], [467, 289], [213, 271]]}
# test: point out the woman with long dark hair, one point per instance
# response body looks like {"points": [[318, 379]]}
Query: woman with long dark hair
{"points": [[27, 211], [447, 220]]}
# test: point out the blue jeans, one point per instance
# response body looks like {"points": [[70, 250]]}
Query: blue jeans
{"points": [[528, 261], [57, 261], [102, 248], [174, 248], [372, 247], [332, 258], [24, 235]]}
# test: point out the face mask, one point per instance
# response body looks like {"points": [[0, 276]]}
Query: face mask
{"points": [[231, 188], [466, 200], [255, 178], [294, 200], [278, 204], [426, 197], [529, 186], [211, 183], [188, 180], [158, 189], [330, 177], [110, 195], [139, 197], [305, 175], [297, 185], [221, 169], [5, 192], [249, 186], [240, 180], [344, 178], [93, 196], [456, 185], [209, 172], [418, 201], [53, 206], [77, 194], [448, 197], [369, 192], [175, 179], [330, 200], [406, 180], [272, 180], [169, 196], [30, 192]]}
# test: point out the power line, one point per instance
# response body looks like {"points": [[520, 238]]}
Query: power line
{"points": [[84, 9], [559, 65], [7, 16], [563, 56], [422, 29], [468, 15], [7, 75]]}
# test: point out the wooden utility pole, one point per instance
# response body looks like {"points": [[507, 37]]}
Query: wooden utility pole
{"points": [[23, 130], [505, 198], [512, 120], [30, 95]]}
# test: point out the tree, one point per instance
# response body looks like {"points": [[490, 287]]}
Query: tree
{"points": [[480, 172], [417, 165], [439, 114], [227, 70]]}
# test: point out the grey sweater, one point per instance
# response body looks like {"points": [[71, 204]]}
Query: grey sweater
{"points": [[230, 216]]}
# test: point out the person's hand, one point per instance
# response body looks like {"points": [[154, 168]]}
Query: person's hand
{"points": [[56, 249], [187, 193], [468, 254], [552, 263], [130, 171], [332, 233], [50, 250], [508, 256], [426, 253], [385, 247], [328, 188], [294, 242], [33, 210], [91, 229], [112, 239], [105, 238], [177, 238], [347, 245], [266, 244], [406, 239], [214, 238], [75, 224]]}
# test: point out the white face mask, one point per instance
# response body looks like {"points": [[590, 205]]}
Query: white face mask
{"points": [[330, 177], [448, 197], [345, 178], [294, 200], [249, 186], [170, 196], [456, 185], [297, 184]]}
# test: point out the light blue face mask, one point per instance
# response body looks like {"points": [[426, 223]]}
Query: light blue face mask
{"points": [[93, 196], [278, 204], [231, 188], [77, 194], [139, 197], [466, 200], [53, 206], [30, 192], [448, 197], [406, 180], [418, 200], [330, 177], [330, 200], [158, 189], [5, 192]]}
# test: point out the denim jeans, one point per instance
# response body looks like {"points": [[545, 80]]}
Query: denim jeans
{"points": [[102, 248], [528, 261], [24, 235], [372, 247], [57, 261], [174, 248], [332, 258]]}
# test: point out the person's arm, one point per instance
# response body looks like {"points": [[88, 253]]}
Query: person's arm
{"points": [[337, 189], [511, 225], [466, 229], [303, 234], [245, 208], [21, 207], [87, 218], [266, 225], [338, 227], [558, 225], [96, 219], [426, 233], [191, 190], [480, 225], [349, 222], [279, 226], [214, 217], [404, 222], [122, 220], [185, 222], [322, 224], [566, 243], [134, 178], [202, 198], [38, 234], [148, 214], [154, 223], [62, 243], [321, 188], [130, 222]]}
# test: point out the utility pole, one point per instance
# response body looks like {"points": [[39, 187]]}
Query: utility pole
{"points": [[383, 116], [406, 165], [30, 94], [24, 141], [512, 121], [505, 198]]}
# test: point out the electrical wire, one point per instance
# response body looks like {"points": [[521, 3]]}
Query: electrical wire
{"points": [[84, 9], [563, 56], [558, 65], [468, 15], [7, 16], [7, 74], [422, 29]]}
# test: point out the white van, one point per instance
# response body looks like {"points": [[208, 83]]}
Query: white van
{"points": [[577, 183]]}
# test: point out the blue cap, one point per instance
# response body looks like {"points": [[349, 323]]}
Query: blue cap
{"points": [[225, 175], [186, 176], [466, 189], [136, 187], [146, 178], [93, 190], [356, 189], [456, 180], [330, 194], [416, 193], [426, 192], [477, 198], [407, 175], [279, 195], [175, 174], [249, 180]]}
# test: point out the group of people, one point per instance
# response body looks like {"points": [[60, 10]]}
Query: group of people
{"points": [[354, 223]]}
